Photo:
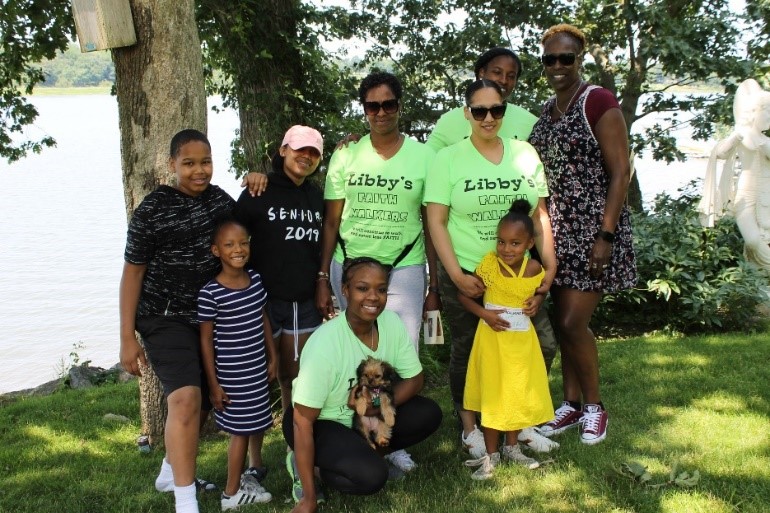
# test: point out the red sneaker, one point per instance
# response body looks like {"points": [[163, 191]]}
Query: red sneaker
{"points": [[565, 418], [595, 421]]}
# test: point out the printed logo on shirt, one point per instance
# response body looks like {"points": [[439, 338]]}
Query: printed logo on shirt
{"points": [[380, 215], [303, 216], [496, 184], [367, 180], [293, 214]]}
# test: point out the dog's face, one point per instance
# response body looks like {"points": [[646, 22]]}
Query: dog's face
{"points": [[375, 373]]}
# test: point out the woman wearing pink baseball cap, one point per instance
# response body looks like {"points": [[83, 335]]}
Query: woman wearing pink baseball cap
{"points": [[285, 227]]}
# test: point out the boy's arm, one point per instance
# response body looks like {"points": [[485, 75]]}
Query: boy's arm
{"points": [[131, 353], [218, 395], [272, 354]]}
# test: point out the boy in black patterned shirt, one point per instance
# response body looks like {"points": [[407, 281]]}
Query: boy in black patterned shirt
{"points": [[167, 260]]}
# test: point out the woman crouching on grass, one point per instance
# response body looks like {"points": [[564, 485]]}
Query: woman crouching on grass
{"points": [[319, 425]]}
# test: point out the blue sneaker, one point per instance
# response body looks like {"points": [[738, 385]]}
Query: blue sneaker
{"points": [[296, 485]]}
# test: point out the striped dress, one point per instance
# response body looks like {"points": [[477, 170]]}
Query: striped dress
{"points": [[240, 354]]}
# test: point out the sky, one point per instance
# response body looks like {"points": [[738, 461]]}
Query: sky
{"points": [[356, 48]]}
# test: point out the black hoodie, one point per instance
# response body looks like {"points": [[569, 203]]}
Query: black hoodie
{"points": [[285, 227]]}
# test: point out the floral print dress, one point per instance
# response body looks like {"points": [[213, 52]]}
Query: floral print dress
{"points": [[578, 185]]}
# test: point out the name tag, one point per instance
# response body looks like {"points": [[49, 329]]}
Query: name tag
{"points": [[517, 321]]}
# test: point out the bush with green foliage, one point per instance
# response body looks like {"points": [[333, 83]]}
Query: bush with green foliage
{"points": [[75, 69], [691, 278]]}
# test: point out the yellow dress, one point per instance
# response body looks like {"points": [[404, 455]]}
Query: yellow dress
{"points": [[506, 378]]}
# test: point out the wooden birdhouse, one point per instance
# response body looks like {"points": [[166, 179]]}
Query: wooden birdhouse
{"points": [[103, 24]]}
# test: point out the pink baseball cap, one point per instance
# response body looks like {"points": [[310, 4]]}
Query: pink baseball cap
{"points": [[300, 136]]}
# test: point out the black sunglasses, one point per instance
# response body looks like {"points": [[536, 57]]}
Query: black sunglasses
{"points": [[389, 106], [480, 113], [567, 59]]}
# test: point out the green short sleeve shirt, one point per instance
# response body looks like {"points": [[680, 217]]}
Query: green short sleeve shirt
{"points": [[478, 192], [327, 367], [381, 215]]}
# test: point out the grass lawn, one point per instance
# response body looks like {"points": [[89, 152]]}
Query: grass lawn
{"points": [[699, 401]]}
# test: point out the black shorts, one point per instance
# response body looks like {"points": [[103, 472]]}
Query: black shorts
{"points": [[293, 317], [173, 346]]}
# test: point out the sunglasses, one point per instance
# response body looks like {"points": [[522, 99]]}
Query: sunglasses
{"points": [[566, 59], [480, 113], [389, 106]]}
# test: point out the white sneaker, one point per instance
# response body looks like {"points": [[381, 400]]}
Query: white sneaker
{"points": [[402, 460], [251, 495], [474, 442], [513, 454], [486, 466], [535, 441]]}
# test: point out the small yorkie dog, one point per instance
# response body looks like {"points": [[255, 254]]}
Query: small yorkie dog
{"points": [[375, 387]]}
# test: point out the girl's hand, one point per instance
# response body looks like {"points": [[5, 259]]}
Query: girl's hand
{"points": [[323, 299], [350, 138], [256, 182], [533, 304], [272, 370], [305, 506], [494, 321], [600, 258], [470, 285], [218, 398], [371, 411]]}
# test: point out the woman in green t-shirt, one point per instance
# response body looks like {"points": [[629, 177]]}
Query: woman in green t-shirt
{"points": [[373, 207], [319, 426], [470, 186]]}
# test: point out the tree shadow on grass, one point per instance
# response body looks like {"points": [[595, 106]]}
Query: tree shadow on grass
{"points": [[699, 401]]}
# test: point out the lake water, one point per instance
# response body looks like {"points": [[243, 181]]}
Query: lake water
{"points": [[63, 229]]}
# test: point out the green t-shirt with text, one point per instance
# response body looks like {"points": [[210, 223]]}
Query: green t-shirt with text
{"points": [[452, 127], [327, 367], [479, 193], [381, 215]]}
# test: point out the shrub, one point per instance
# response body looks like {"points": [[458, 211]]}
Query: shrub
{"points": [[690, 278]]}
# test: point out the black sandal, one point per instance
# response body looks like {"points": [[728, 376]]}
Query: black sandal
{"points": [[204, 486]]}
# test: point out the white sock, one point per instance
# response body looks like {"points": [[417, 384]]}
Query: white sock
{"points": [[165, 480], [186, 500]]}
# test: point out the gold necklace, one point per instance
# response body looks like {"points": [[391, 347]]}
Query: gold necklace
{"points": [[371, 336], [389, 147], [556, 103]]}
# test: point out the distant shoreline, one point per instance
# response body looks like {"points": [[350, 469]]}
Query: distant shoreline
{"points": [[70, 91]]}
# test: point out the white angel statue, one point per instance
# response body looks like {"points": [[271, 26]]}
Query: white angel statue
{"points": [[747, 197]]}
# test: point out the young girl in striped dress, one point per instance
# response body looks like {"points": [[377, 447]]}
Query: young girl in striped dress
{"points": [[239, 359]]}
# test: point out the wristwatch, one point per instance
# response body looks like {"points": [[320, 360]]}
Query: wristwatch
{"points": [[605, 235]]}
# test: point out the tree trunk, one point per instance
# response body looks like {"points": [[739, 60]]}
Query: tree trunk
{"points": [[160, 89], [265, 68]]}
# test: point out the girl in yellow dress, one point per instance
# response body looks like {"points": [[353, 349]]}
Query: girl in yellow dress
{"points": [[507, 381]]}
